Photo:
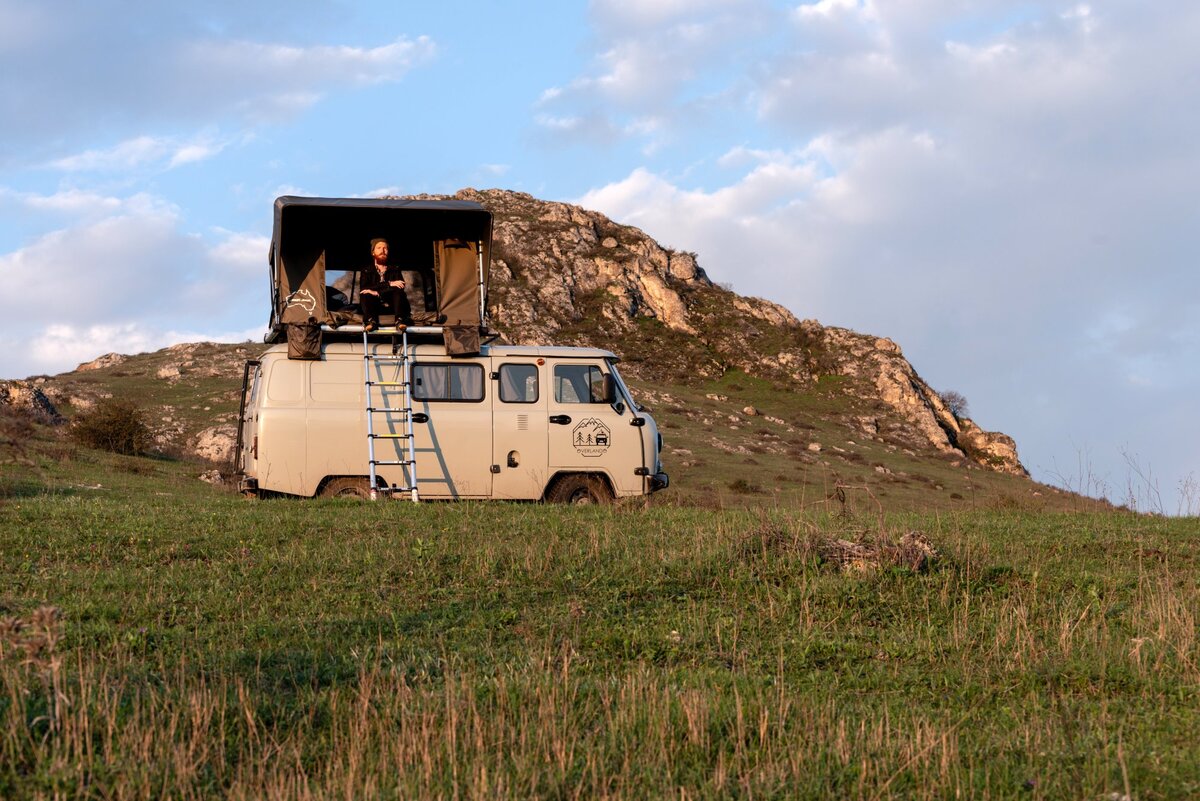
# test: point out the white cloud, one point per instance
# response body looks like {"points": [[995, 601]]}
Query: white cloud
{"points": [[141, 151], [641, 14], [834, 8], [132, 278], [241, 253], [150, 66], [71, 201], [383, 191], [195, 151], [290, 71], [130, 153], [648, 53], [58, 348]]}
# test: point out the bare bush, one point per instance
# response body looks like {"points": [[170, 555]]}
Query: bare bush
{"points": [[16, 429], [956, 402]]}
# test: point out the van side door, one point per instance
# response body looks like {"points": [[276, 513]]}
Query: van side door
{"points": [[519, 413], [588, 435]]}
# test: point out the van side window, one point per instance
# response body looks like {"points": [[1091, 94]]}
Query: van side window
{"points": [[518, 383], [578, 383], [447, 382], [255, 383]]}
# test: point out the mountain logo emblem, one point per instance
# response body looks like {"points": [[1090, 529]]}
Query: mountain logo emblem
{"points": [[591, 437]]}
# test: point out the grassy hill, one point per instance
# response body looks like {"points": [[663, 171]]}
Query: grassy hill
{"points": [[160, 637]]}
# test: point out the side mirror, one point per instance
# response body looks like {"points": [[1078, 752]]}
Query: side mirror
{"points": [[608, 390]]}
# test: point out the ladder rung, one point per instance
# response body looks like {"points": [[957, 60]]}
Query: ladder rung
{"points": [[389, 436], [387, 383], [386, 358], [386, 409], [396, 463]]}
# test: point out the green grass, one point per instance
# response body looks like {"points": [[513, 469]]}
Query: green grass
{"points": [[212, 646]]}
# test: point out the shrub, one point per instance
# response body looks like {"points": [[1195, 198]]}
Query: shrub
{"points": [[114, 425], [16, 429]]}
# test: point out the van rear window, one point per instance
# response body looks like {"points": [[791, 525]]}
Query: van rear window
{"points": [[447, 382]]}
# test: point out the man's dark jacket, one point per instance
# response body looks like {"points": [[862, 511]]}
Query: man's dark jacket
{"points": [[372, 280]]}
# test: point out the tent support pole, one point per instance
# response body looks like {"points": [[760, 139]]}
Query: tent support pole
{"points": [[482, 299]]}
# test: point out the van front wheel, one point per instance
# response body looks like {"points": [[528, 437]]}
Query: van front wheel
{"points": [[579, 489], [347, 487]]}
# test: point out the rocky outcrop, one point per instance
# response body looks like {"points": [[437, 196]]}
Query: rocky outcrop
{"points": [[215, 444], [27, 397], [107, 360], [561, 271], [553, 263], [989, 448], [893, 381]]}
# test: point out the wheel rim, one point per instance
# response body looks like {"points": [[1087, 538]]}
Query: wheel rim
{"points": [[582, 497]]}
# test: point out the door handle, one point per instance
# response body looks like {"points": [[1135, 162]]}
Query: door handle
{"points": [[560, 419], [420, 417]]}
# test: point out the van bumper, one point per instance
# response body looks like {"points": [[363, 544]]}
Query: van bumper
{"points": [[247, 485], [659, 481]]}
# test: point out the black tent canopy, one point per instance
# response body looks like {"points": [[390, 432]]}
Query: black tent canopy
{"points": [[448, 240]]}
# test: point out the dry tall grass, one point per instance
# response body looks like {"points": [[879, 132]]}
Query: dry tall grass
{"points": [[85, 726]]}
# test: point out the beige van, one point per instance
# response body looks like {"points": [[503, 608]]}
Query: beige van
{"points": [[423, 407], [512, 422]]}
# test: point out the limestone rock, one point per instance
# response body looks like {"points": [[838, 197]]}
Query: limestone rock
{"points": [[216, 444], [765, 310], [930, 422], [212, 477], [29, 398], [989, 448], [170, 372], [107, 360]]}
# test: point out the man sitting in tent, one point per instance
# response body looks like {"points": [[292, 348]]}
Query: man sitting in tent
{"points": [[383, 289]]}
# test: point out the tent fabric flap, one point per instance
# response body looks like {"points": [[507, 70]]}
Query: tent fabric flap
{"points": [[456, 266], [302, 287]]}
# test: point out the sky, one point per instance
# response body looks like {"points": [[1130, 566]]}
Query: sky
{"points": [[1006, 189]]}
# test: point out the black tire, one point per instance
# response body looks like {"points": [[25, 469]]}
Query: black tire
{"points": [[580, 490], [347, 487]]}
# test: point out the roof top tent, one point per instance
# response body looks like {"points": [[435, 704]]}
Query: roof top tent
{"points": [[446, 243]]}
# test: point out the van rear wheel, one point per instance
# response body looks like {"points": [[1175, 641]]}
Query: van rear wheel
{"points": [[347, 487], [580, 490]]}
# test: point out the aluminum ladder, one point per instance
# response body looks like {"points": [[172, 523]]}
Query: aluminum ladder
{"points": [[388, 390]]}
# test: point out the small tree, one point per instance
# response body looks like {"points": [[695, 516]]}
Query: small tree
{"points": [[956, 402], [113, 425]]}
